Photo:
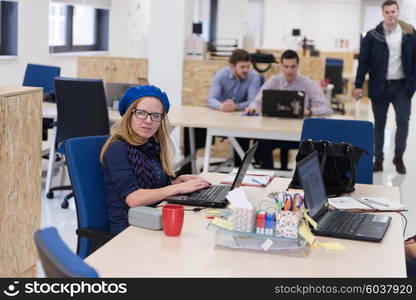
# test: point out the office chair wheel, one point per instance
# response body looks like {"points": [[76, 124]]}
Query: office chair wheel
{"points": [[64, 204], [49, 195]]}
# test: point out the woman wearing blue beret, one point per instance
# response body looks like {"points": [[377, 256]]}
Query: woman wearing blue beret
{"points": [[136, 158]]}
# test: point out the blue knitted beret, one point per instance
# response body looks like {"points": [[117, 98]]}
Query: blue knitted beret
{"points": [[136, 92]]}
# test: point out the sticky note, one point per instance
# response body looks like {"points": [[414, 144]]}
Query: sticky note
{"points": [[213, 212], [332, 246], [309, 219], [306, 232], [223, 223]]}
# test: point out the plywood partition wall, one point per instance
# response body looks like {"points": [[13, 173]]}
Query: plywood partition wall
{"points": [[197, 78], [113, 69], [20, 178]]}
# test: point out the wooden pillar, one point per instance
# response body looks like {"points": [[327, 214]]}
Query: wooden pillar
{"points": [[20, 178]]}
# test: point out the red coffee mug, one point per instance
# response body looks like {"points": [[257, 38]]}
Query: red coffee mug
{"points": [[172, 219]]}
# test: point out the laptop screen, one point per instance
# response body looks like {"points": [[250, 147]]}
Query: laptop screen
{"points": [[248, 157], [283, 103], [310, 178]]}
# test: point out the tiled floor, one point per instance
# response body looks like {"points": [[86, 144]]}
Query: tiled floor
{"points": [[65, 219]]}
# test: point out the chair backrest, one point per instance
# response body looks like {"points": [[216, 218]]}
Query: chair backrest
{"points": [[57, 259], [333, 71], [41, 76], [82, 108], [84, 168], [357, 133]]}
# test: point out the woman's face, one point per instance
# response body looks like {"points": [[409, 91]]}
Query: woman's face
{"points": [[147, 117]]}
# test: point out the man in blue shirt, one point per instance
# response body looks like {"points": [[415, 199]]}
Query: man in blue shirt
{"points": [[235, 86]]}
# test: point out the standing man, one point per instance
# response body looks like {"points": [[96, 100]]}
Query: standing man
{"points": [[289, 79], [235, 86], [388, 54]]}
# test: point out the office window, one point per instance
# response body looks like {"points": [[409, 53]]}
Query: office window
{"points": [[8, 28], [57, 24], [84, 25], [77, 28]]}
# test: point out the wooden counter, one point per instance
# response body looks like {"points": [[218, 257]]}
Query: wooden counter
{"points": [[20, 178]]}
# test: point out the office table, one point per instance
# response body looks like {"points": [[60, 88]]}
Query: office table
{"points": [[219, 123], [235, 125], [138, 252]]}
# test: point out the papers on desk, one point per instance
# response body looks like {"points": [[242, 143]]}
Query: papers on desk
{"points": [[238, 199], [365, 203], [259, 178]]}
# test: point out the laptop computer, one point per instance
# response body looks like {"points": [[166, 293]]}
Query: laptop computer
{"points": [[283, 104], [115, 90], [214, 196], [333, 222]]}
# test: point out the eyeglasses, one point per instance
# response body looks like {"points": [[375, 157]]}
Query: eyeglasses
{"points": [[142, 115]]}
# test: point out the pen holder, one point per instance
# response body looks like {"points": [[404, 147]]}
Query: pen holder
{"points": [[244, 219], [287, 224]]}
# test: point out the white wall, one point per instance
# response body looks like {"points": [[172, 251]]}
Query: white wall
{"points": [[324, 21], [231, 19], [129, 28]]}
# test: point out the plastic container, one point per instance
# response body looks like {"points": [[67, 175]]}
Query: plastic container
{"points": [[259, 242]]}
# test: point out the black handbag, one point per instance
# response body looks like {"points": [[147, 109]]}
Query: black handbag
{"points": [[338, 162], [262, 58]]}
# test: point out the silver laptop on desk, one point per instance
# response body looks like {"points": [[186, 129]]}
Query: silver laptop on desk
{"points": [[333, 222], [214, 196]]}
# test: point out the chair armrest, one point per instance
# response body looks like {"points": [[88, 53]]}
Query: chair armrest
{"points": [[94, 234], [98, 237]]}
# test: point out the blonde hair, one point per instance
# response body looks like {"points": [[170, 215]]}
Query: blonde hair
{"points": [[122, 130]]}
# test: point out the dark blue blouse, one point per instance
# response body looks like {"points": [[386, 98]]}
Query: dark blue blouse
{"points": [[120, 180]]}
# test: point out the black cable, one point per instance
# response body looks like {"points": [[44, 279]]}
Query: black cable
{"points": [[196, 209], [405, 224]]}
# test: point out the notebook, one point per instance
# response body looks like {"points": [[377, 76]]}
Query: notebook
{"points": [[333, 222], [283, 104], [259, 178], [214, 196]]}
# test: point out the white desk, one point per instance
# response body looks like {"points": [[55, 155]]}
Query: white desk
{"points": [[138, 252], [220, 123], [235, 125]]}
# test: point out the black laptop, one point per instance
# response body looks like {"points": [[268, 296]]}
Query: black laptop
{"points": [[283, 104], [214, 196], [333, 222]]}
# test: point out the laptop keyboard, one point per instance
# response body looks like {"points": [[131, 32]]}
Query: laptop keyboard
{"points": [[344, 222], [209, 193]]}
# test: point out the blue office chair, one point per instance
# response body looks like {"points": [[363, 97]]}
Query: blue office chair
{"points": [[357, 133], [57, 259], [87, 179], [43, 76]]}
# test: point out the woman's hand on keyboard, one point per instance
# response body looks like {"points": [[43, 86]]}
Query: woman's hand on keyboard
{"points": [[187, 177], [191, 185]]}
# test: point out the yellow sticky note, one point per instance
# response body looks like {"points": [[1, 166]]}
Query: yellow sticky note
{"points": [[223, 223], [332, 246], [213, 212], [306, 232], [309, 219]]}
